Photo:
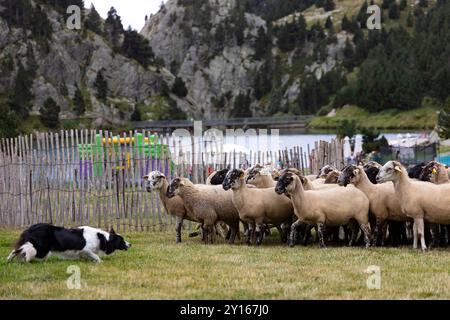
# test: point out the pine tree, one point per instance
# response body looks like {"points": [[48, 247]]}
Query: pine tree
{"points": [[329, 23], [114, 27], [346, 24], [362, 15], [9, 122], [137, 47], [179, 88], [101, 85], [410, 20], [329, 5], [79, 103], [50, 113], [21, 96], [403, 4], [386, 4], [423, 3], [394, 12], [241, 107], [136, 115], [94, 21]]}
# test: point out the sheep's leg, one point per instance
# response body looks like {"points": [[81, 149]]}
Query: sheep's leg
{"points": [[365, 228], [293, 235], [320, 230], [178, 226], [354, 229], [434, 230], [379, 233], [415, 225], [285, 228], [259, 233], [234, 230], [249, 234], [421, 232]]}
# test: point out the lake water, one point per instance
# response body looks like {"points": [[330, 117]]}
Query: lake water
{"points": [[252, 143]]}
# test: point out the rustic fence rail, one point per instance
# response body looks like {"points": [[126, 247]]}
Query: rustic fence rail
{"points": [[81, 177]]}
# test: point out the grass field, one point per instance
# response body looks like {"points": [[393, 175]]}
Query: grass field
{"points": [[157, 268], [421, 118]]}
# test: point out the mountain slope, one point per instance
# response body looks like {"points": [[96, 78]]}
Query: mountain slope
{"points": [[54, 62], [270, 57]]}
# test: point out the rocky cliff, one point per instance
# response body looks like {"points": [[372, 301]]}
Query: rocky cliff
{"points": [[65, 60], [201, 43]]}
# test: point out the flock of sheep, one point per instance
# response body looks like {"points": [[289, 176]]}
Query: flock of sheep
{"points": [[368, 204]]}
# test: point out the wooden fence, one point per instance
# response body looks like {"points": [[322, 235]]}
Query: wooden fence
{"points": [[67, 179]]}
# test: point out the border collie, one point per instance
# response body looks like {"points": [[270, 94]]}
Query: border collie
{"points": [[41, 240]]}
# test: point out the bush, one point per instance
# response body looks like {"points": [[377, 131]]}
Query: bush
{"points": [[50, 113]]}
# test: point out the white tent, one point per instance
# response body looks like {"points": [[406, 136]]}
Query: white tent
{"points": [[358, 144], [347, 148]]}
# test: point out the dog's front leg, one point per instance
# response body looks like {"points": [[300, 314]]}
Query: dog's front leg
{"points": [[91, 255]]}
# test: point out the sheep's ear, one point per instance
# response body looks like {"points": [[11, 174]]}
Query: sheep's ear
{"points": [[356, 171], [397, 168], [111, 231], [434, 171], [182, 183], [242, 175], [145, 178], [303, 180]]}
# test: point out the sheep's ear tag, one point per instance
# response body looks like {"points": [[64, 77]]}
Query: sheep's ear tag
{"points": [[434, 171], [397, 168]]}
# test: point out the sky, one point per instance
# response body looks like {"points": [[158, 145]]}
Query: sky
{"points": [[132, 12]]}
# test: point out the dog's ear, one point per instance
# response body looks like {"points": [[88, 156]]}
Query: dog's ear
{"points": [[111, 231]]}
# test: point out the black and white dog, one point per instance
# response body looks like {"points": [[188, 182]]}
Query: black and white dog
{"points": [[41, 240]]}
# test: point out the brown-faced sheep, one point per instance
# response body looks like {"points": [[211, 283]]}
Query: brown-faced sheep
{"points": [[333, 207], [419, 200]]}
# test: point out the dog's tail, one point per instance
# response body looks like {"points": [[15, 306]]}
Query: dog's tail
{"points": [[27, 250]]}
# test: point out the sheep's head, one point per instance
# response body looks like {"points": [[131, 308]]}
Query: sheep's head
{"points": [[351, 174], [325, 171], [287, 182], [372, 164], [234, 179], [432, 171], [219, 176], [332, 177], [174, 187], [389, 172], [372, 172], [253, 173], [154, 181]]}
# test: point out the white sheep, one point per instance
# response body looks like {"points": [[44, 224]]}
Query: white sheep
{"points": [[419, 200], [384, 204], [328, 207], [208, 205], [256, 206]]}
